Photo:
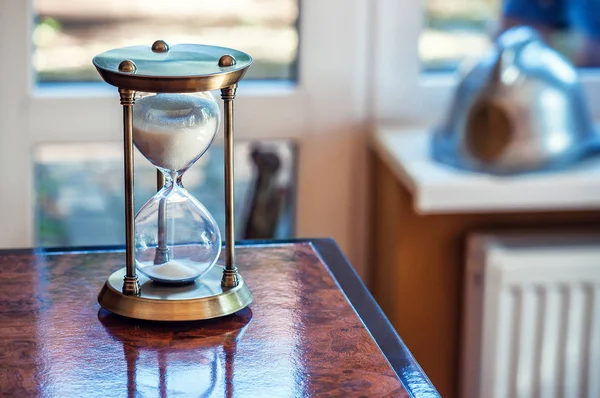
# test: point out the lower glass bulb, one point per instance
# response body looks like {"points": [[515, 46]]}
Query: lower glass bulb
{"points": [[176, 239]]}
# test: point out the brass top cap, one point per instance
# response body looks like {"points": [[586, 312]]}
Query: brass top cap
{"points": [[181, 68]]}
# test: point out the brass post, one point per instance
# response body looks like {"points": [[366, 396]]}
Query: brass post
{"points": [[230, 275], [131, 285]]}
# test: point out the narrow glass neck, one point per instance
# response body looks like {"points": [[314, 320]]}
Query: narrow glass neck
{"points": [[172, 177]]}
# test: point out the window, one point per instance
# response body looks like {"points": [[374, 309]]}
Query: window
{"points": [[455, 30], [458, 29], [67, 35]]}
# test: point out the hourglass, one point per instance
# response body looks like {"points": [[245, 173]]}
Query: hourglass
{"points": [[173, 243]]}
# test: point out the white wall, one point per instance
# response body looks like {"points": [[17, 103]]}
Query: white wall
{"points": [[332, 196]]}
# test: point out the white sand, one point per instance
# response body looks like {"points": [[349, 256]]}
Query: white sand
{"points": [[174, 270], [172, 130]]}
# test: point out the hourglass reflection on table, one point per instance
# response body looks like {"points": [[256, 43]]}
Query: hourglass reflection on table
{"points": [[173, 243]]}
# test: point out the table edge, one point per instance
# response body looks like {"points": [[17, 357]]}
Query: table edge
{"points": [[414, 380]]}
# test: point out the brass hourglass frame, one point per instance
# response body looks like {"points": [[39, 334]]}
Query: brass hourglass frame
{"points": [[186, 68]]}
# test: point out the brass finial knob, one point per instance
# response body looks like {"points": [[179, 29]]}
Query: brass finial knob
{"points": [[226, 60], [160, 46], [127, 66]]}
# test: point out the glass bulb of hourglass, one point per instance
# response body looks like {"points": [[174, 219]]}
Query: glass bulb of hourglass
{"points": [[177, 240], [173, 130]]}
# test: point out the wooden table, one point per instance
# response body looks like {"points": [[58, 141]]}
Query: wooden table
{"points": [[313, 329]]}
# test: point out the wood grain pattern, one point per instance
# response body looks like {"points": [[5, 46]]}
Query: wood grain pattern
{"points": [[300, 337], [418, 269]]}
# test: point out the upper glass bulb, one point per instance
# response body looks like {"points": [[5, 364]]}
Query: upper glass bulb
{"points": [[173, 130], [176, 238]]}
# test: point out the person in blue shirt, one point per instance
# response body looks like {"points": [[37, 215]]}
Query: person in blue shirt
{"points": [[549, 16]]}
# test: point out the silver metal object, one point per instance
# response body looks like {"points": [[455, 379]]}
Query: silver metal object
{"points": [[521, 108]]}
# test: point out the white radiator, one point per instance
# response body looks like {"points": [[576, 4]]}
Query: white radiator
{"points": [[531, 317]]}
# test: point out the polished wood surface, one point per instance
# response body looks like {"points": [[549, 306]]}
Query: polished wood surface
{"points": [[312, 330], [418, 266]]}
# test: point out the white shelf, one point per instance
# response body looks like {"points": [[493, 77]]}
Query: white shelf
{"points": [[438, 188]]}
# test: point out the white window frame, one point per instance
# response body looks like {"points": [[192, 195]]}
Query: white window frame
{"points": [[329, 97]]}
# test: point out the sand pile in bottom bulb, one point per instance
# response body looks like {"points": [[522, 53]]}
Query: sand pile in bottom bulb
{"points": [[172, 271]]}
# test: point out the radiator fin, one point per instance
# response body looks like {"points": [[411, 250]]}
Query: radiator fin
{"points": [[548, 342]]}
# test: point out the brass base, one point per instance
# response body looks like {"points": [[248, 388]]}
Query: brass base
{"points": [[203, 299]]}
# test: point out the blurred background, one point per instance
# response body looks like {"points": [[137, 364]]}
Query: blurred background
{"points": [[348, 141]]}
